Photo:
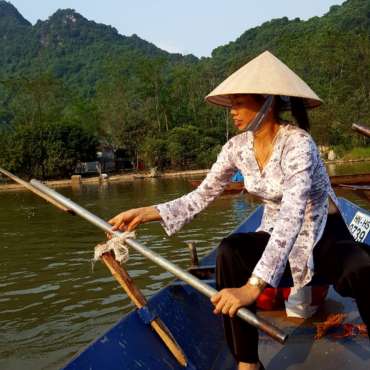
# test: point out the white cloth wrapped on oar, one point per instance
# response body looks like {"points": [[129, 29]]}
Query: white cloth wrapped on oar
{"points": [[117, 245]]}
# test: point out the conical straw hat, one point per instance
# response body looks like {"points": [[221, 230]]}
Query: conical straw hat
{"points": [[266, 75]]}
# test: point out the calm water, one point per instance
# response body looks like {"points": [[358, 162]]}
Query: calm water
{"points": [[51, 302]]}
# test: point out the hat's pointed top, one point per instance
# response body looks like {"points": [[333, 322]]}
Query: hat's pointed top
{"points": [[264, 75]]}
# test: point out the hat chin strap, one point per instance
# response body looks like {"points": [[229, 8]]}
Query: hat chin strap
{"points": [[261, 115]]}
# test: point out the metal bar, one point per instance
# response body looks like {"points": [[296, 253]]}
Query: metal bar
{"points": [[205, 289], [361, 129], [28, 186]]}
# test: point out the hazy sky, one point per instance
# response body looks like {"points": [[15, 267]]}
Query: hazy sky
{"points": [[185, 26]]}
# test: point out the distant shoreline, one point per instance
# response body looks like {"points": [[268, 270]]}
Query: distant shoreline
{"points": [[344, 161], [139, 176]]}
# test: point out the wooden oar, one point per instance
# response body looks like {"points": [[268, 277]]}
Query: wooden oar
{"points": [[30, 187], [122, 276], [140, 301], [361, 129]]}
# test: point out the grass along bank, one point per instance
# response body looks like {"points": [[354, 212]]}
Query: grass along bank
{"points": [[357, 153]]}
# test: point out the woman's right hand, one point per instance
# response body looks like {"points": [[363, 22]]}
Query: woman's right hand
{"points": [[131, 219]]}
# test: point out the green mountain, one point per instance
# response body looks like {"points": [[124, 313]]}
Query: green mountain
{"points": [[13, 30], [352, 17], [9, 16], [68, 46]]}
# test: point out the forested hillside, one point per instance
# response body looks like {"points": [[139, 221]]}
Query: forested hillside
{"points": [[68, 78]]}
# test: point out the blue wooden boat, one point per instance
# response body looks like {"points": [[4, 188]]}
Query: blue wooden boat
{"points": [[132, 344]]}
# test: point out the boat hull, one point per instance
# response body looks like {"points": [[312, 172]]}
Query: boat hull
{"points": [[132, 344], [358, 179]]}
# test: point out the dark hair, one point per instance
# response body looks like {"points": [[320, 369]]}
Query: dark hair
{"points": [[296, 105], [299, 112], [297, 108]]}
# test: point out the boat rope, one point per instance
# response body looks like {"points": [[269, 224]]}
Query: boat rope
{"points": [[117, 245]]}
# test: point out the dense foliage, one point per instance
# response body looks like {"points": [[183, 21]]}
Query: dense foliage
{"points": [[148, 104], [46, 131], [47, 150]]}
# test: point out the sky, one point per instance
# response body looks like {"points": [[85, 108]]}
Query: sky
{"points": [[183, 26]]}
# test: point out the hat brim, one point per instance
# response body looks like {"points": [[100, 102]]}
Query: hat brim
{"points": [[225, 100], [264, 75]]}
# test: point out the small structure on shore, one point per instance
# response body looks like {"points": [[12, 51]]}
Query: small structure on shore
{"points": [[331, 155], [76, 180]]}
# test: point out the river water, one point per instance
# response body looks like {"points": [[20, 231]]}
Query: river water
{"points": [[52, 303]]}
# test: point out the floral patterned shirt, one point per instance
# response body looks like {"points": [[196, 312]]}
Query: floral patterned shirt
{"points": [[294, 187]]}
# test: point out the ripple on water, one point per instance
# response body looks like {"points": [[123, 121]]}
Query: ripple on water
{"points": [[60, 302], [161, 276], [52, 266], [40, 289], [8, 283], [113, 299], [23, 308]]}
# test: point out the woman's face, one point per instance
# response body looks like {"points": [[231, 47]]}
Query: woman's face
{"points": [[243, 109]]}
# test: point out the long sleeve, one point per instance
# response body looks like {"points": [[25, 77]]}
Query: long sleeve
{"points": [[176, 213], [298, 162]]}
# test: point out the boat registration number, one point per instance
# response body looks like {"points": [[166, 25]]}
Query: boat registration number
{"points": [[360, 226]]}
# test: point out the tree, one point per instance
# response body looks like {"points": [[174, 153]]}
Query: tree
{"points": [[47, 150]]}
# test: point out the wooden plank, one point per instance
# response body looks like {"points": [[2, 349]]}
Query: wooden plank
{"points": [[361, 129], [362, 190], [358, 179]]}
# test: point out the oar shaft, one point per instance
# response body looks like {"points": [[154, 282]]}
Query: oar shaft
{"points": [[361, 129], [128, 285], [205, 289]]}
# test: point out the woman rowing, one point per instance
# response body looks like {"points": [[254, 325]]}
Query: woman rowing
{"points": [[302, 232]]}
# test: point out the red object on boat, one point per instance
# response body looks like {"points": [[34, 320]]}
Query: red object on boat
{"points": [[273, 298]]}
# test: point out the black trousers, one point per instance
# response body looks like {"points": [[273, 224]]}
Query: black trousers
{"points": [[337, 258]]}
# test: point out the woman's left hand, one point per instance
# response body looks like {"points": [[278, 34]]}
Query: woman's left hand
{"points": [[228, 301]]}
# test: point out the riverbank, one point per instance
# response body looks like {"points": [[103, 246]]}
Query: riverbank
{"points": [[347, 161], [139, 176], [114, 178]]}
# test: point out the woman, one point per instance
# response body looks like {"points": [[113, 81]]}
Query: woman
{"points": [[301, 232]]}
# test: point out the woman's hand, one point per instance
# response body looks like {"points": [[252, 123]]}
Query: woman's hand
{"points": [[228, 301], [131, 219]]}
